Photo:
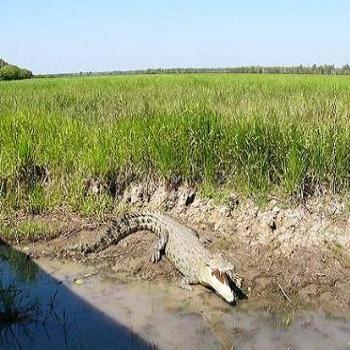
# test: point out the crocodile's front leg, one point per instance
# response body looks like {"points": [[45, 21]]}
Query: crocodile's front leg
{"points": [[187, 281], [159, 248]]}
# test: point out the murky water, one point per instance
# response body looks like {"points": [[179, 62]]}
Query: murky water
{"points": [[53, 305]]}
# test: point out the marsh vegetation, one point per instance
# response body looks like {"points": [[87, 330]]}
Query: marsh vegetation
{"points": [[248, 133]]}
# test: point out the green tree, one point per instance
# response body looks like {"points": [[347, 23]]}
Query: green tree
{"points": [[25, 73], [10, 72], [2, 63]]}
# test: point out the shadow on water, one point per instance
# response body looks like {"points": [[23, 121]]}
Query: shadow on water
{"points": [[39, 312]]}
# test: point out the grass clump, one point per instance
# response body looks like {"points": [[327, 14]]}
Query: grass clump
{"points": [[252, 134], [29, 229]]}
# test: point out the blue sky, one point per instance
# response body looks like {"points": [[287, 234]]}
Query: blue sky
{"points": [[94, 35]]}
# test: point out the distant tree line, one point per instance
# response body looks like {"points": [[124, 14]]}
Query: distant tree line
{"points": [[314, 69], [325, 69], [12, 72]]}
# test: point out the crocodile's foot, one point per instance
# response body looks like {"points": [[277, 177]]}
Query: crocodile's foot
{"points": [[158, 249], [185, 284], [238, 280], [235, 278], [156, 256]]}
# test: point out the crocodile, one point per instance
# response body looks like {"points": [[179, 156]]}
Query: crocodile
{"points": [[182, 247]]}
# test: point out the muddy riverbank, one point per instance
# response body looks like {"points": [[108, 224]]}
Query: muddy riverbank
{"points": [[290, 256]]}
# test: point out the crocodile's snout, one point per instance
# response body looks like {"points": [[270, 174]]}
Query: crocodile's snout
{"points": [[220, 283], [226, 293], [229, 297]]}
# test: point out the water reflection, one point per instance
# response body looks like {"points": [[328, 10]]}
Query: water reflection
{"points": [[39, 312]]}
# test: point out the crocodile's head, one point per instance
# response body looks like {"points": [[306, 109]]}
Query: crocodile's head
{"points": [[214, 274]]}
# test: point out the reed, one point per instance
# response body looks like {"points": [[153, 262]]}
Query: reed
{"points": [[253, 134]]}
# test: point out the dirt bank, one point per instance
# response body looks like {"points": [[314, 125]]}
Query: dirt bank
{"points": [[289, 256]]}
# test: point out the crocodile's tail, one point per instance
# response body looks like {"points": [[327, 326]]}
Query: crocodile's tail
{"points": [[126, 225]]}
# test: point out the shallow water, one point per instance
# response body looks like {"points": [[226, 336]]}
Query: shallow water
{"points": [[71, 306]]}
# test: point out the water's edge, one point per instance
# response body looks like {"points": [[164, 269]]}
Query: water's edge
{"points": [[83, 308]]}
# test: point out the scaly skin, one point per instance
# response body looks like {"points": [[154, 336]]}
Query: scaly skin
{"points": [[182, 247]]}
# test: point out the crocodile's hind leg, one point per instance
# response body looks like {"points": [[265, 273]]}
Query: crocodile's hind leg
{"points": [[159, 248]]}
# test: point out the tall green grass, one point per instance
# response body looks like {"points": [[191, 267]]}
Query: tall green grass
{"points": [[253, 134]]}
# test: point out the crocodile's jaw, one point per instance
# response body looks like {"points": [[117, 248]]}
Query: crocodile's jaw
{"points": [[219, 284]]}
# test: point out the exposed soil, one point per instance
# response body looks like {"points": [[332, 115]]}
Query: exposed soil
{"points": [[289, 257]]}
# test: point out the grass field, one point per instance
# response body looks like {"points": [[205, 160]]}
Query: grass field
{"points": [[253, 134]]}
